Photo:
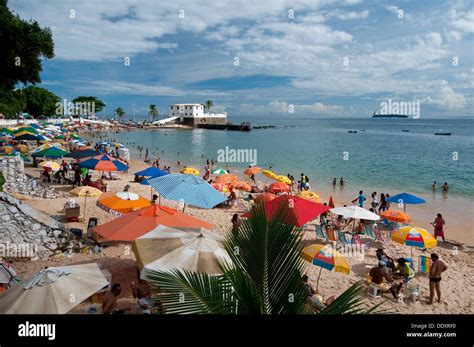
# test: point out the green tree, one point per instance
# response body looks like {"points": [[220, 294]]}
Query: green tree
{"points": [[208, 104], [23, 45], [119, 112], [98, 104], [12, 102], [40, 101], [153, 112], [265, 273]]}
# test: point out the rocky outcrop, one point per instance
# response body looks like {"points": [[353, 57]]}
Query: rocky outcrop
{"points": [[30, 233], [17, 181]]}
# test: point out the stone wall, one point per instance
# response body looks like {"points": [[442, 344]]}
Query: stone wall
{"points": [[16, 181], [22, 226]]}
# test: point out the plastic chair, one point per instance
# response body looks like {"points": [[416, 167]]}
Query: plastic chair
{"points": [[342, 237], [320, 233]]}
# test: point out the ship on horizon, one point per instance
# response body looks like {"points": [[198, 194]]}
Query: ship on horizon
{"points": [[391, 115]]}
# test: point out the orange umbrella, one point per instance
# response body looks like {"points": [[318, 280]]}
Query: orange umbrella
{"points": [[241, 185], [278, 187], [252, 170], [225, 178], [135, 224], [122, 202], [221, 187], [265, 197], [396, 216]]}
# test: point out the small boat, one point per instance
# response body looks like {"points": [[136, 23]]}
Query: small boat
{"points": [[443, 134], [352, 131], [362, 130], [405, 130]]}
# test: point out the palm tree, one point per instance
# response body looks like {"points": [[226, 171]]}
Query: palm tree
{"points": [[119, 112], [153, 112], [265, 276], [208, 104]]}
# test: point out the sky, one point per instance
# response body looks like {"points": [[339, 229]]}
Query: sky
{"points": [[316, 58]]}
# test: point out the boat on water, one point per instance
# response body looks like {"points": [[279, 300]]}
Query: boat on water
{"points": [[405, 130], [352, 131], [378, 115], [443, 134]]}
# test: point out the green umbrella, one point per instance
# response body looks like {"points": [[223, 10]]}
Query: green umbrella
{"points": [[27, 129], [6, 131], [51, 152]]}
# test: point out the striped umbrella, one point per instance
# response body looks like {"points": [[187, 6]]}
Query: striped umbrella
{"points": [[103, 162], [83, 153], [414, 236], [325, 256], [50, 165], [189, 189], [122, 202], [219, 172], [51, 152]]}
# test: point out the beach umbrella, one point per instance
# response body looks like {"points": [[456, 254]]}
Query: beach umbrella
{"points": [[50, 291], [122, 202], [51, 152], [103, 162], [265, 197], [151, 172], [241, 185], [81, 153], [268, 173], [26, 136], [355, 212], [282, 178], [325, 256], [221, 187], [26, 129], [278, 187], [50, 165], [135, 224], [300, 211], [6, 131], [219, 172], [414, 236], [396, 216], [189, 189], [46, 146], [86, 192], [165, 249], [309, 195], [406, 198], [21, 148], [190, 171], [252, 170], [16, 153], [225, 178]]}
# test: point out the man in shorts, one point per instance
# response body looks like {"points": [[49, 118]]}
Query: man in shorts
{"points": [[437, 267]]}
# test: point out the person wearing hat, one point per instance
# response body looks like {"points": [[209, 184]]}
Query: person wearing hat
{"points": [[383, 256], [378, 274]]}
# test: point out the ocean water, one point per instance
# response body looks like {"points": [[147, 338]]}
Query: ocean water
{"points": [[381, 156]]}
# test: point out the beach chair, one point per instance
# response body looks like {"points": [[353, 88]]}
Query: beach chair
{"points": [[342, 237], [320, 233], [378, 235], [331, 235]]}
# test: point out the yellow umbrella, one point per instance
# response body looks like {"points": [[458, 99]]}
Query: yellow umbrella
{"points": [[190, 171], [414, 236], [269, 173], [309, 195], [51, 165], [282, 178], [325, 256], [86, 192]]}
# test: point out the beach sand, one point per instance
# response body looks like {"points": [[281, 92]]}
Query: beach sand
{"points": [[120, 261]]}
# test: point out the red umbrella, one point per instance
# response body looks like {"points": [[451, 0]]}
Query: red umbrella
{"points": [[301, 211], [278, 187], [265, 197]]}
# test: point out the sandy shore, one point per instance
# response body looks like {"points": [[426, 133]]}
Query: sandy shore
{"points": [[458, 253]]}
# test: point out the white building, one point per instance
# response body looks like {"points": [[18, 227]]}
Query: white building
{"points": [[194, 113]]}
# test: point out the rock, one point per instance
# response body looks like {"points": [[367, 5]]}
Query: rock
{"points": [[35, 227], [57, 233]]}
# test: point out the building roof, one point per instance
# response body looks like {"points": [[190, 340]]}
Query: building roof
{"points": [[185, 105]]}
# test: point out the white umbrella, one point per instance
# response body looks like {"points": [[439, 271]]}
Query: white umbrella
{"points": [[56, 290], [355, 212], [166, 248]]}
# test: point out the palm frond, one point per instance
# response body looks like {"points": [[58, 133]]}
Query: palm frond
{"points": [[186, 292], [351, 302]]}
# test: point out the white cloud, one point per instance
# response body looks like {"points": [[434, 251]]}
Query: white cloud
{"points": [[445, 97], [283, 107]]}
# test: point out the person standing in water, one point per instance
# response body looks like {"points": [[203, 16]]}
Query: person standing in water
{"points": [[439, 227], [433, 186], [334, 182], [445, 187]]}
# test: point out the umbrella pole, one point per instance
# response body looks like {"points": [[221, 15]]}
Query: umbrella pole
{"points": [[85, 206], [184, 207], [317, 283]]}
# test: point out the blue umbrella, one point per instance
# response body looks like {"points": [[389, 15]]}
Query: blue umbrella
{"points": [[151, 172], [188, 188], [405, 199]]}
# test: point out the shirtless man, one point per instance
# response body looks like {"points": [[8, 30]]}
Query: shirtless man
{"points": [[109, 303], [437, 267]]}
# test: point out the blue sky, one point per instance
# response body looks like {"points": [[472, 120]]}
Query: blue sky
{"points": [[322, 58]]}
